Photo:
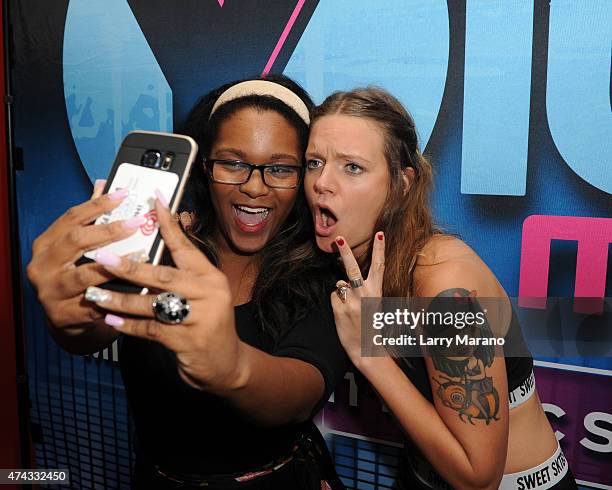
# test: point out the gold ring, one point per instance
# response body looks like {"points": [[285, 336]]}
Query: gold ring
{"points": [[342, 288]]}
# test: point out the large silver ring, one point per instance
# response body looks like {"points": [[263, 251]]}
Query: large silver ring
{"points": [[342, 288], [356, 283], [170, 307]]}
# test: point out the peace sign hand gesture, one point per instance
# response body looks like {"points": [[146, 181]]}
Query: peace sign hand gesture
{"points": [[346, 300]]}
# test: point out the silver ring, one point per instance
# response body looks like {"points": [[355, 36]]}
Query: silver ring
{"points": [[356, 283], [170, 308], [342, 288]]}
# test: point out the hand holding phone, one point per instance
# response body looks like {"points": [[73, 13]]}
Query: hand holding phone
{"points": [[148, 165]]}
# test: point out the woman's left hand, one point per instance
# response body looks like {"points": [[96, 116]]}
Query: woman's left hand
{"points": [[347, 313], [206, 344]]}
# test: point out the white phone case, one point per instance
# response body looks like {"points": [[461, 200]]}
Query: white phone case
{"points": [[141, 183]]}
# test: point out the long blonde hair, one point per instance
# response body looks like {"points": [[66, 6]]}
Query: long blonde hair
{"points": [[405, 217]]}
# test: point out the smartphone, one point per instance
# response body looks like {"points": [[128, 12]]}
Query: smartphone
{"points": [[146, 161]]}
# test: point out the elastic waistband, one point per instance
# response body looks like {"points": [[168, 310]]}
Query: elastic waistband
{"points": [[522, 392], [541, 477]]}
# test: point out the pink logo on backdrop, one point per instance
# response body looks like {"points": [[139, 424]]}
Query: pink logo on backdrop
{"points": [[593, 236], [283, 36]]}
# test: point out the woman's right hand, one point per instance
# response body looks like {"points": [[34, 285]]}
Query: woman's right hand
{"points": [[52, 271]]}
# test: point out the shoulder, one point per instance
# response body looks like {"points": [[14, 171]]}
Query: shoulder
{"points": [[447, 262], [439, 249]]}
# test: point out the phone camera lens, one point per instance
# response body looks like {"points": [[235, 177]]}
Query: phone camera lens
{"points": [[151, 158], [167, 160]]}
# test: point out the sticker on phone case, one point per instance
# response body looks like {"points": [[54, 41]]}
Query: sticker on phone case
{"points": [[141, 183]]}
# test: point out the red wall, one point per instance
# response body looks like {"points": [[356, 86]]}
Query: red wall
{"points": [[9, 414]]}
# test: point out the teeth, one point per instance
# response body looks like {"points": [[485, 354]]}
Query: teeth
{"points": [[247, 209], [324, 218], [252, 210]]}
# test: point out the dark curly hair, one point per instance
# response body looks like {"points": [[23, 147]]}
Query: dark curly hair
{"points": [[292, 276]]}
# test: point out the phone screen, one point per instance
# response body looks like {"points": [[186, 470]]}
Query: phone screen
{"points": [[141, 183]]}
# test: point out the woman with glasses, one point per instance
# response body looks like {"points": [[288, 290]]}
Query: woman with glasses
{"points": [[223, 398]]}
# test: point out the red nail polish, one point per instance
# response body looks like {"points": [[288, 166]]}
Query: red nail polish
{"points": [[380, 236], [340, 242]]}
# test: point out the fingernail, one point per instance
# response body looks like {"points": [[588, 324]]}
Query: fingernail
{"points": [[114, 321], [161, 198], [340, 242], [140, 256], [97, 295], [107, 258], [380, 235], [133, 223], [119, 194], [99, 182]]}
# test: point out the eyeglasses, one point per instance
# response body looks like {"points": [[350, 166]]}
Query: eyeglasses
{"points": [[277, 175]]}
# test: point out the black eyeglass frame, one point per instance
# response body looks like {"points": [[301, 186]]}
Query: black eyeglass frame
{"points": [[209, 163]]}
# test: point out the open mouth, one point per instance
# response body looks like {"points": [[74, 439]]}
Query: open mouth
{"points": [[328, 218], [251, 216], [325, 221]]}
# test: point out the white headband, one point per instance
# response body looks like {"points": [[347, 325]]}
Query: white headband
{"points": [[264, 87]]}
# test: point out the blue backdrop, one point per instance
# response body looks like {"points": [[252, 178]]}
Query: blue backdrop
{"points": [[511, 98]]}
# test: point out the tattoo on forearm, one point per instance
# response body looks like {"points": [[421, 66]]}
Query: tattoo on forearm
{"points": [[465, 386]]}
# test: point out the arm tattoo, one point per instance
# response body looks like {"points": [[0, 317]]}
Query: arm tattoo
{"points": [[465, 386]]}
